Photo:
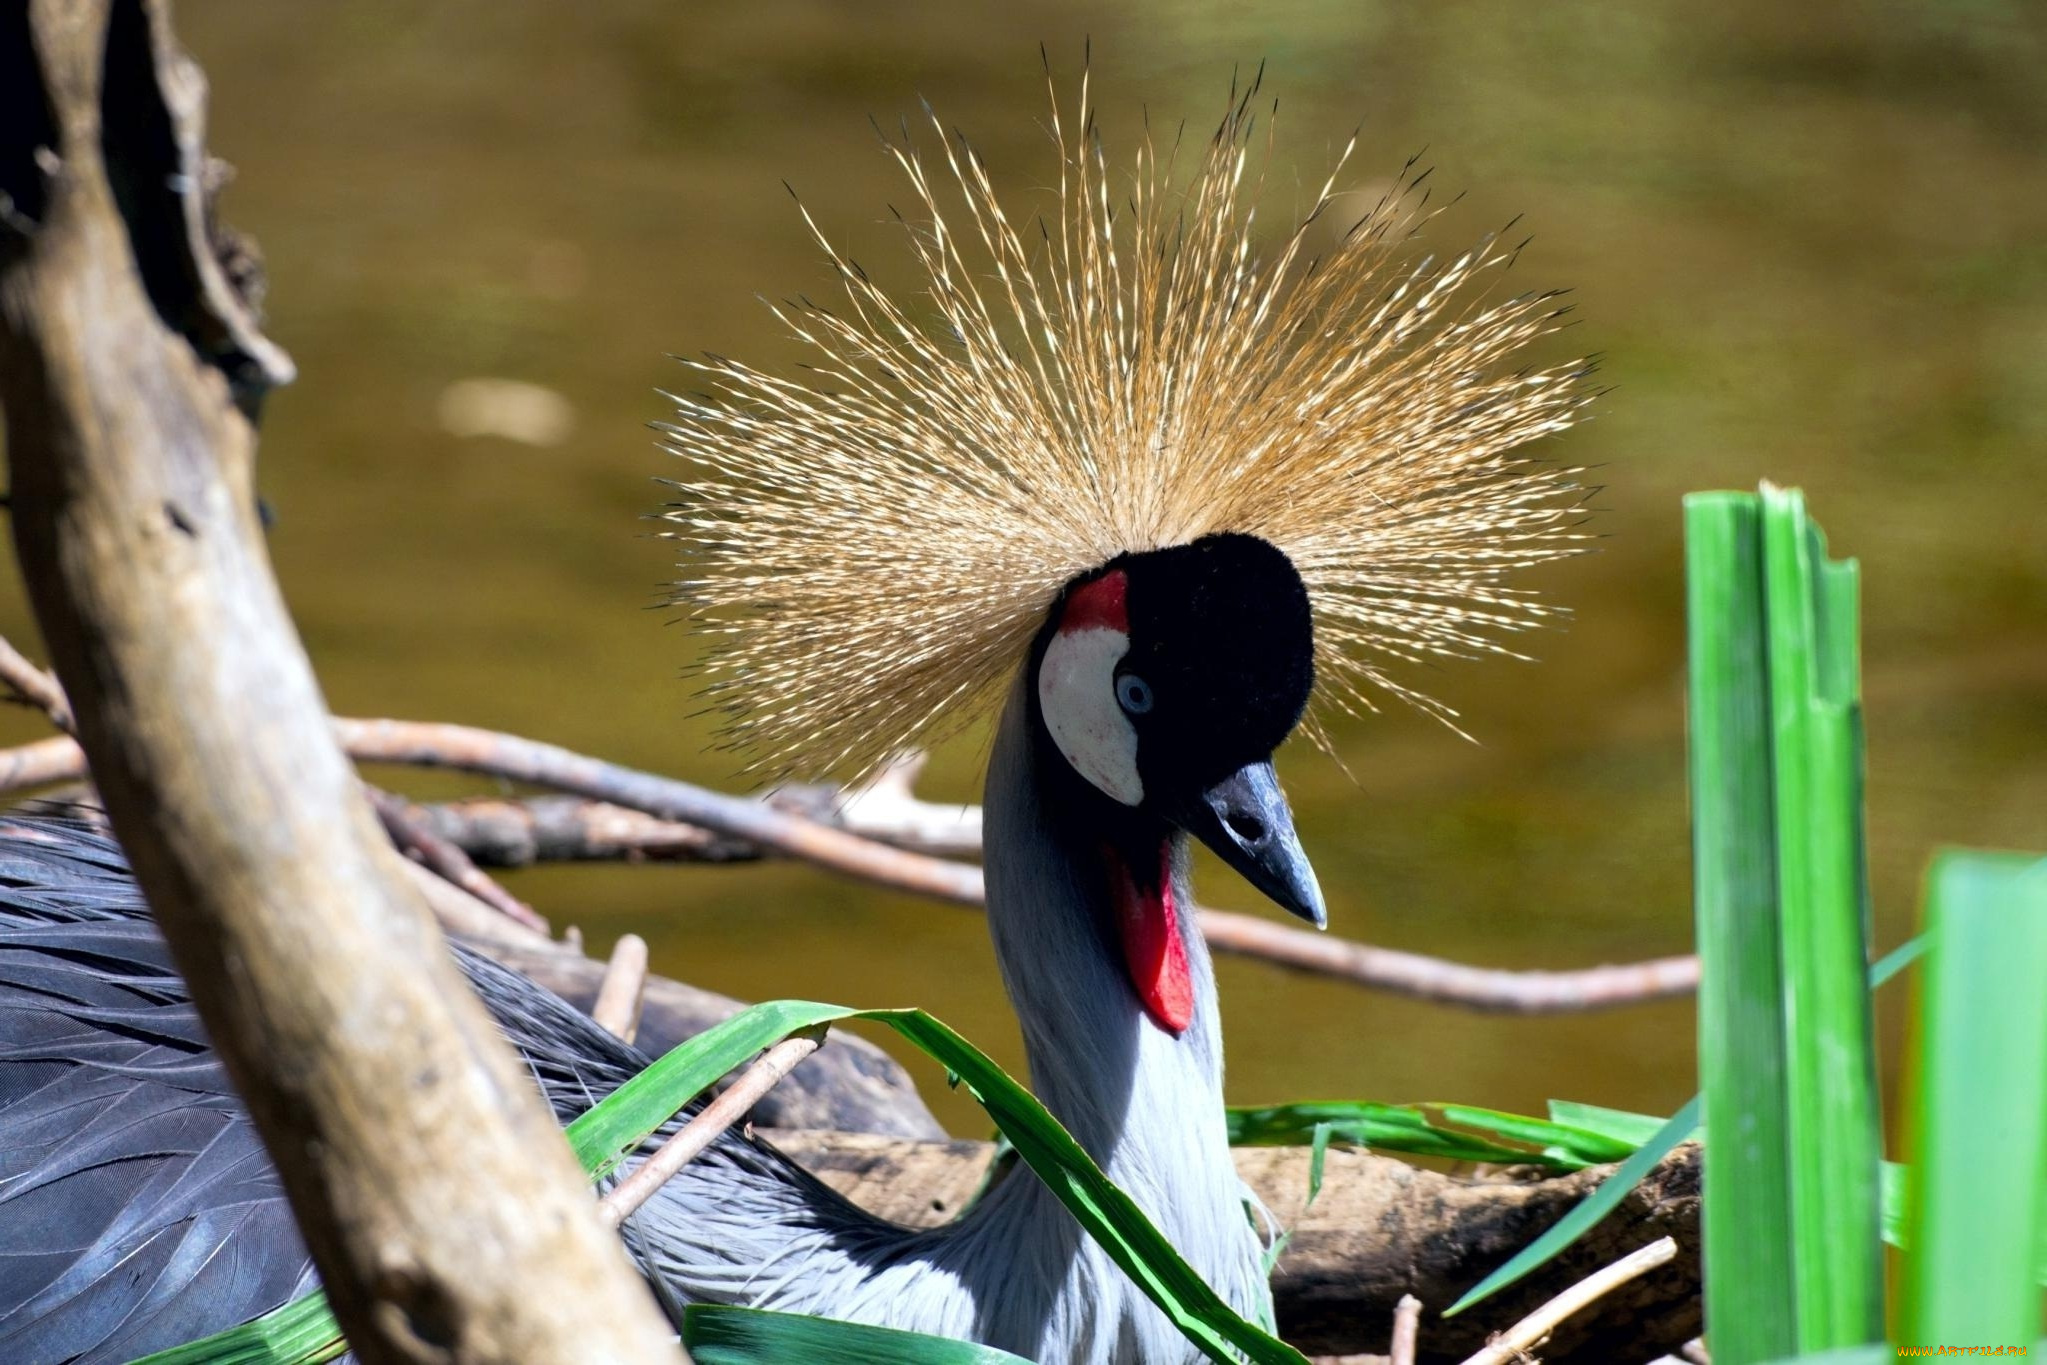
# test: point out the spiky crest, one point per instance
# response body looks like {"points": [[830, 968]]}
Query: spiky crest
{"points": [[873, 550]]}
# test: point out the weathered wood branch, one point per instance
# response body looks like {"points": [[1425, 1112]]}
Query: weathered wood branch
{"points": [[448, 1218], [628, 815], [880, 833], [1380, 1229]]}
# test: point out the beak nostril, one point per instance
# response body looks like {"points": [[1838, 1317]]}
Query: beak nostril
{"points": [[1247, 828]]}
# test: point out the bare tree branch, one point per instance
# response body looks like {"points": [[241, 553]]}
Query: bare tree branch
{"points": [[41, 764], [1521, 1340], [1407, 1325], [684, 1146], [31, 686], [623, 992], [630, 814], [513, 832], [412, 835], [128, 362], [469, 749], [1419, 977]]}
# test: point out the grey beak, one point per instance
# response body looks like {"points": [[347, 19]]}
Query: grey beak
{"points": [[1245, 819]]}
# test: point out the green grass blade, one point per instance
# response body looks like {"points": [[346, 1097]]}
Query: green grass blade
{"points": [[1457, 1132], [1750, 1305], [757, 1336], [1979, 1160], [1585, 1215], [1835, 1141], [302, 1332], [1618, 1124], [1549, 1142]]}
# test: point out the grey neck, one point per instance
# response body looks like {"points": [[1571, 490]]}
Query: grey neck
{"points": [[1145, 1104]]}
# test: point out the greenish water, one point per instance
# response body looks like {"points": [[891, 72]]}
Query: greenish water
{"points": [[1811, 242]]}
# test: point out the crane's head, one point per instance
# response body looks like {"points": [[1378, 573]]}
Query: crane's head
{"points": [[1165, 680], [1317, 425]]}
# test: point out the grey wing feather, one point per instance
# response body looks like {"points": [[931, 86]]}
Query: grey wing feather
{"points": [[138, 1209]]}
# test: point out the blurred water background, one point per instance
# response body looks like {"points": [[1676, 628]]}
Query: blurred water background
{"points": [[1810, 241]]}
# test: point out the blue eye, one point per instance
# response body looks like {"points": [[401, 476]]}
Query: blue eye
{"points": [[1133, 694]]}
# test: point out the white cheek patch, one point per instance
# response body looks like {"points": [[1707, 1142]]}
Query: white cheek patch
{"points": [[1077, 696]]}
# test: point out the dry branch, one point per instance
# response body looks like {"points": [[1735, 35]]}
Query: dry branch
{"points": [[514, 832], [689, 1141], [31, 686], [509, 832], [627, 814], [41, 764], [1379, 1230], [128, 360], [411, 835], [1407, 1326], [1521, 1340], [623, 992]]}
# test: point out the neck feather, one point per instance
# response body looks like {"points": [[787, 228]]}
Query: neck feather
{"points": [[1146, 1104]]}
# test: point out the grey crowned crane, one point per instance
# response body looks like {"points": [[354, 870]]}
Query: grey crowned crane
{"points": [[1147, 486]]}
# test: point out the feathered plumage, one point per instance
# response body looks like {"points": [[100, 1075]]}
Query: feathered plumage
{"points": [[873, 549]]}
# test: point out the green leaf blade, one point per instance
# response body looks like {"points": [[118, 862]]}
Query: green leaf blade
{"points": [[1750, 1306], [718, 1335], [1973, 1206], [1834, 1128]]}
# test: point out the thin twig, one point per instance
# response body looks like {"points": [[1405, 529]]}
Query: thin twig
{"points": [[1525, 1335], [46, 761], [1407, 1323], [721, 1113], [1451, 983], [35, 687], [412, 836], [624, 988]]}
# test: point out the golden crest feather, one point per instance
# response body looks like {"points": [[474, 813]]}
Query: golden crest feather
{"points": [[873, 549]]}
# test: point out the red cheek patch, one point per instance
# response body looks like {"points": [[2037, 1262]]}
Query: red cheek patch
{"points": [[1101, 604], [1153, 952]]}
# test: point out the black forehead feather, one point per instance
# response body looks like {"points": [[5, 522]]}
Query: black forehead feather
{"points": [[1222, 630]]}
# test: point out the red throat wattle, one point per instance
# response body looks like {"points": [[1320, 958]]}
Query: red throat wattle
{"points": [[1149, 923]]}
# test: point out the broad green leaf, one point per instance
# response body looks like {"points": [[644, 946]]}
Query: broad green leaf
{"points": [[1979, 1152], [757, 1336], [1741, 999], [1835, 1136], [1786, 1050]]}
